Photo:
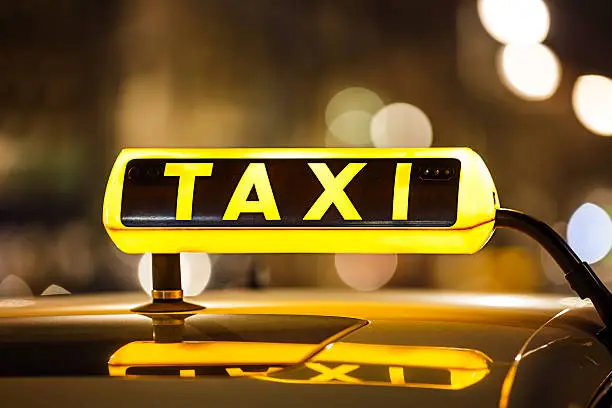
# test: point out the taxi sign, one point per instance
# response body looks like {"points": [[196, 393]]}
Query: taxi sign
{"points": [[300, 200]]}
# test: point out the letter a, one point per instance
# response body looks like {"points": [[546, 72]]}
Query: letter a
{"points": [[256, 176]]}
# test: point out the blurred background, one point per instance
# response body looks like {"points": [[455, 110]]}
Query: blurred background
{"points": [[526, 83]]}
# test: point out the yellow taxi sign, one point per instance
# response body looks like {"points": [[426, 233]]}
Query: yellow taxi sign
{"points": [[435, 200]]}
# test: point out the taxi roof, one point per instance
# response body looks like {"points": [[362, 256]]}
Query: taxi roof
{"points": [[78, 335], [348, 303], [394, 317]]}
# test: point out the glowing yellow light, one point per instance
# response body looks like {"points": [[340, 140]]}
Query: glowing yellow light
{"points": [[351, 128], [401, 125], [365, 272], [340, 364], [208, 353], [195, 272], [476, 208], [350, 100], [515, 21], [592, 102], [187, 373], [530, 71]]}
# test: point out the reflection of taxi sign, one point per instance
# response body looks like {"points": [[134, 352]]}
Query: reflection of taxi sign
{"points": [[306, 200], [338, 363], [389, 365]]}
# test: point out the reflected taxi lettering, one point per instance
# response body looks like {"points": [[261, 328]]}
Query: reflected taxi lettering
{"points": [[370, 374], [338, 373]]}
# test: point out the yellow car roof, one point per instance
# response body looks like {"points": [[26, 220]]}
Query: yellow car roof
{"points": [[467, 344]]}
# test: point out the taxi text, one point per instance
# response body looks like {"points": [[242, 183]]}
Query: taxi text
{"points": [[256, 177]]}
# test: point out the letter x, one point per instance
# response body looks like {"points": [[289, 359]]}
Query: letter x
{"points": [[335, 373], [334, 191]]}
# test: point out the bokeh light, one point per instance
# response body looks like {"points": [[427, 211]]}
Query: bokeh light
{"points": [[365, 272], [592, 102], [352, 128], [589, 232], [352, 99], [530, 71], [515, 21], [53, 290], [196, 271], [348, 115], [14, 286], [401, 125]]}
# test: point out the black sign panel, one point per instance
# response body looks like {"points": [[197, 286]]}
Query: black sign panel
{"points": [[150, 198]]}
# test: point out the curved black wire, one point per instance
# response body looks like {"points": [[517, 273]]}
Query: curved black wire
{"points": [[579, 274]]}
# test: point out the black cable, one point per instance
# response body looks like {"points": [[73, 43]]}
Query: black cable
{"points": [[579, 274]]}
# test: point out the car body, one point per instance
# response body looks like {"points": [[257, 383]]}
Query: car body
{"points": [[304, 348]]}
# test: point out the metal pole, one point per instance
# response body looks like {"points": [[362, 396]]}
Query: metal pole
{"points": [[167, 277]]}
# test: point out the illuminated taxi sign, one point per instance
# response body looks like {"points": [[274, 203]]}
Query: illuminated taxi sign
{"points": [[300, 200], [330, 194]]}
